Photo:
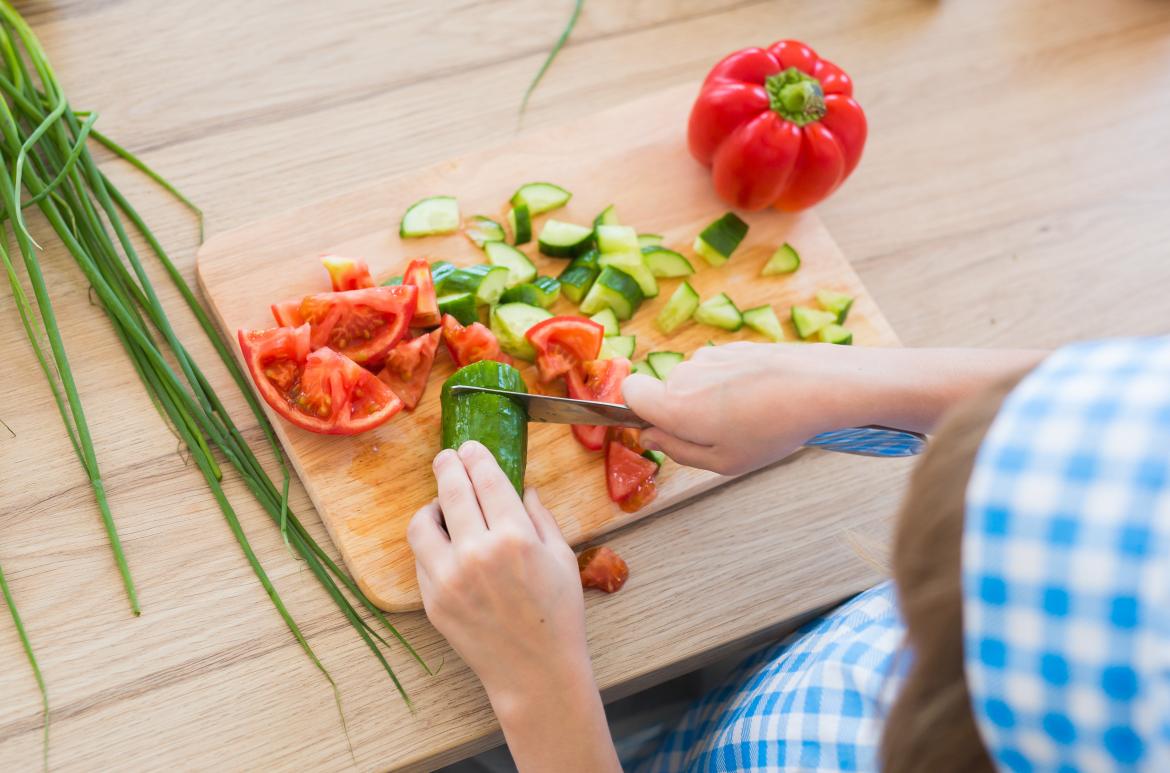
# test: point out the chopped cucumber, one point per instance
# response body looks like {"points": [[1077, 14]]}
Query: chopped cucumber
{"points": [[784, 260], [481, 228], [617, 346], [607, 216], [666, 263], [541, 197], [655, 456], [678, 309], [542, 292], [718, 240], [461, 306], [835, 334], [719, 311], [617, 238], [559, 239], [649, 240], [809, 321], [643, 368], [520, 268], [394, 280], [520, 221], [632, 263], [510, 321], [664, 362], [488, 282], [838, 303], [430, 216], [440, 270], [608, 320], [614, 289], [578, 278], [764, 321]]}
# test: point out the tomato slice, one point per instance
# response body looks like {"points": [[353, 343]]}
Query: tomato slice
{"points": [[408, 366], [629, 476], [563, 343], [472, 343], [426, 310], [596, 380], [361, 324], [602, 568], [347, 273], [321, 391]]}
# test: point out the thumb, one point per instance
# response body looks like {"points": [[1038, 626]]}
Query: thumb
{"points": [[647, 397]]}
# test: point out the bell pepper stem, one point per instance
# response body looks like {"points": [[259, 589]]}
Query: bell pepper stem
{"points": [[796, 96]]}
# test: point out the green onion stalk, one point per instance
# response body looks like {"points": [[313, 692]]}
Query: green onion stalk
{"points": [[45, 163]]}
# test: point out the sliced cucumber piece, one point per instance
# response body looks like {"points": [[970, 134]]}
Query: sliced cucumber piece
{"points": [[440, 270], [649, 240], [608, 320], [618, 346], [835, 334], [394, 280], [764, 321], [718, 240], [665, 263], [430, 216], [481, 228], [542, 291], [541, 197], [461, 306], [678, 309], [643, 368], [838, 303], [559, 239], [664, 362], [520, 221], [607, 216], [520, 268], [486, 281], [510, 321], [719, 311], [809, 321], [632, 263], [784, 260], [614, 289], [617, 238], [655, 456], [578, 278]]}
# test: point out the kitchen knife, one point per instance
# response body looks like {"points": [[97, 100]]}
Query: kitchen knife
{"points": [[863, 441]]}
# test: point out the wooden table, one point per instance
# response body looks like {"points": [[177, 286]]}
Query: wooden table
{"points": [[1014, 192]]}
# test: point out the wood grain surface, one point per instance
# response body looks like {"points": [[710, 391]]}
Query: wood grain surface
{"points": [[634, 156], [1013, 192]]}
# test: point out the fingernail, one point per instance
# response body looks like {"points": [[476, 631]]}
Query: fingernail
{"points": [[470, 449], [650, 445], [441, 457]]}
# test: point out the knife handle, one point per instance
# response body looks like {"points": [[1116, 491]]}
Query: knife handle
{"points": [[870, 441]]}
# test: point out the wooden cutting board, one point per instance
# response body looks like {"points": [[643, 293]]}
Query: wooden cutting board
{"points": [[634, 156]]}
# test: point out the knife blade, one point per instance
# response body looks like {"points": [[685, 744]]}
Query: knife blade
{"points": [[872, 440]]}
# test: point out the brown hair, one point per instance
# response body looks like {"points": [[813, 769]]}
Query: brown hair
{"points": [[931, 726]]}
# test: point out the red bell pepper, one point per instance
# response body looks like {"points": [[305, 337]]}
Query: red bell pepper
{"points": [[778, 126]]}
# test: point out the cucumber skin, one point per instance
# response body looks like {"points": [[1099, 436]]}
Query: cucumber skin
{"points": [[497, 422]]}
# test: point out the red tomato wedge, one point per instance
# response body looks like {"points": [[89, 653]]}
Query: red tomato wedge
{"points": [[426, 309], [629, 476], [408, 366], [347, 273], [603, 569], [472, 343], [602, 380], [361, 324], [563, 343], [321, 391]]}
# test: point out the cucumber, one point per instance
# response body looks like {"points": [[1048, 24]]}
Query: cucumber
{"points": [[559, 239], [649, 240], [678, 309], [664, 362], [835, 334], [719, 311], [784, 260], [608, 320], [498, 422], [616, 238], [764, 321], [440, 270], [487, 282], [607, 216], [541, 197], [718, 240], [520, 268], [655, 456], [614, 289], [665, 263], [578, 278], [430, 216], [520, 221], [838, 303], [808, 321], [461, 306], [542, 291], [643, 368], [631, 262], [618, 346], [510, 321], [481, 228], [392, 281]]}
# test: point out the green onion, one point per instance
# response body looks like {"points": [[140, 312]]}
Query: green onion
{"points": [[552, 54], [32, 661]]}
